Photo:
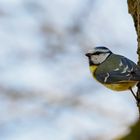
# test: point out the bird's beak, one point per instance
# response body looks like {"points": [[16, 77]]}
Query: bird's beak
{"points": [[88, 54]]}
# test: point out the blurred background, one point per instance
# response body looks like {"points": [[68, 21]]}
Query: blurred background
{"points": [[46, 89]]}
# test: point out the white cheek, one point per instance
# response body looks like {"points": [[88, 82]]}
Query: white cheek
{"points": [[96, 59]]}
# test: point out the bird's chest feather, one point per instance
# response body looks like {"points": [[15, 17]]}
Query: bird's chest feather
{"points": [[93, 69]]}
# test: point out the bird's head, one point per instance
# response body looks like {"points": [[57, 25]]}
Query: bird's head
{"points": [[98, 55]]}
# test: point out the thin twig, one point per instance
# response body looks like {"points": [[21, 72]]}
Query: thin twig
{"points": [[133, 94]]}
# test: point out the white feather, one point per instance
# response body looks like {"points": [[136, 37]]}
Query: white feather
{"points": [[106, 77], [125, 69], [98, 59]]}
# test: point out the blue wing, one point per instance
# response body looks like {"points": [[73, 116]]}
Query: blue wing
{"points": [[124, 70]]}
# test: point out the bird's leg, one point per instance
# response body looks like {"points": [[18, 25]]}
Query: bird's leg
{"points": [[136, 98]]}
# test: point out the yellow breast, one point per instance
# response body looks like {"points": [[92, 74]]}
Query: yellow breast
{"points": [[121, 86], [117, 87], [93, 69]]}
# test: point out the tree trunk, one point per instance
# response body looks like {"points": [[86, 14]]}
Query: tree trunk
{"points": [[134, 10]]}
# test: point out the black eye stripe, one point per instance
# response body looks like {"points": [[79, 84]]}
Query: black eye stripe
{"points": [[97, 53]]}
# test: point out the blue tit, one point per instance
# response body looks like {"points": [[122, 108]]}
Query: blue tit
{"points": [[114, 71]]}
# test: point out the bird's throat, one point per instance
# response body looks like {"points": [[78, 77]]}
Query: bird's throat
{"points": [[93, 69]]}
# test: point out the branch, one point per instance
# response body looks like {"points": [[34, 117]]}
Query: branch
{"points": [[134, 10]]}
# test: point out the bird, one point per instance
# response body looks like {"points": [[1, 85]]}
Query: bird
{"points": [[114, 71]]}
